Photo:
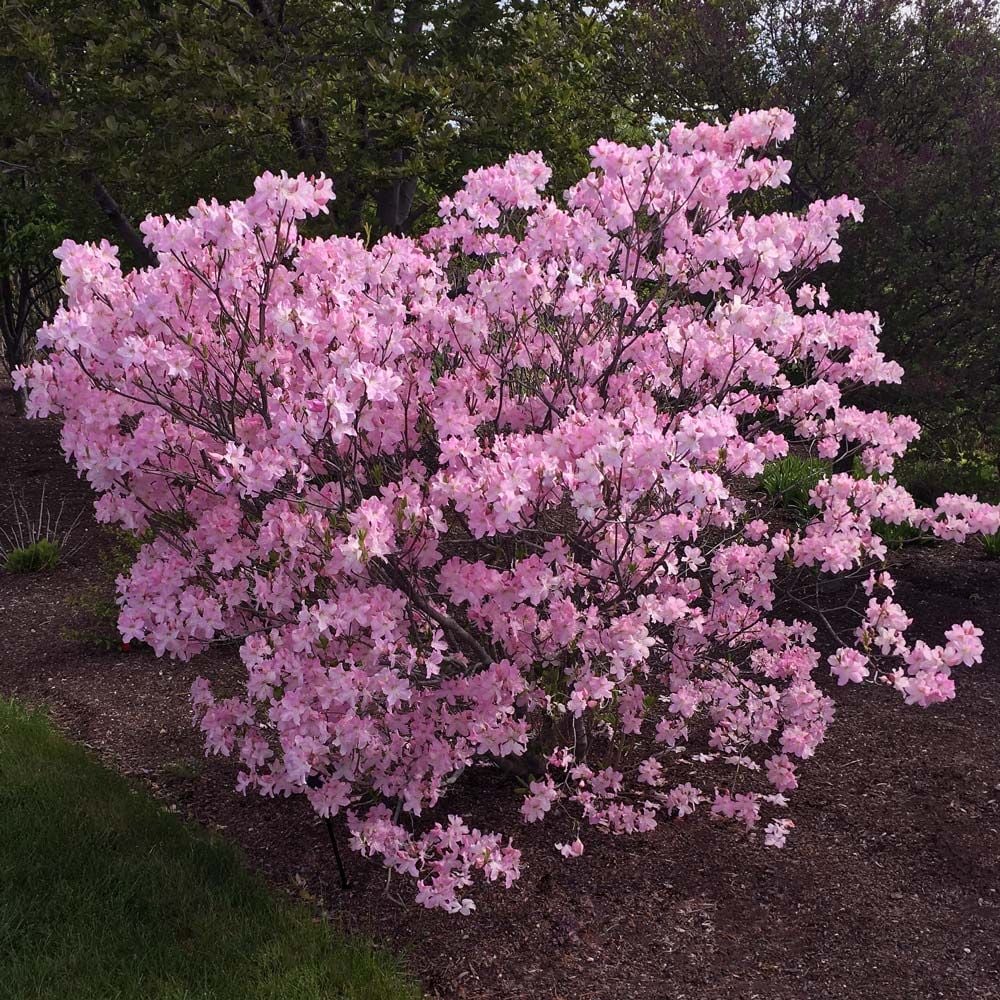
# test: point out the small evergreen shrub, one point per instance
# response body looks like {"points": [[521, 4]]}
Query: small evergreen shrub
{"points": [[31, 542], [33, 558]]}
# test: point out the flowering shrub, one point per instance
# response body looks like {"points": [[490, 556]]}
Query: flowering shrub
{"points": [[487, 496]]}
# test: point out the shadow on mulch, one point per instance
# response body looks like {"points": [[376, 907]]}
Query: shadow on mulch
{"points": [[889, 888]]}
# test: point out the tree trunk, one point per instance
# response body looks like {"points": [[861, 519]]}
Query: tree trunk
{"points": [[129, 235], [20, 404]]}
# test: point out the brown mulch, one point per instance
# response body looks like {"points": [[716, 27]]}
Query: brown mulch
{"points": [[889, 887]]}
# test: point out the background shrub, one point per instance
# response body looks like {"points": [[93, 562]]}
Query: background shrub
{"points": [[790, 480]]}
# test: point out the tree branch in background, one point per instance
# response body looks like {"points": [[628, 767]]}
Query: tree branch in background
{"points": [[128, 234]]}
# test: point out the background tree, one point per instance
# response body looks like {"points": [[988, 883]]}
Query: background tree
{"points": [[160, 102], [120, 108], [30, 225], [897, 103]]}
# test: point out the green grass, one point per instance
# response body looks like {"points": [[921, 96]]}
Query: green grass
{"points": [[106, 896]]}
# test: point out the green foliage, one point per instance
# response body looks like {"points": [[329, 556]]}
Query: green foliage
{"points": [[896, 536], [957, 452], [928, 479], [170, 101], [789, 481], [33, 558], [30, 227], [100, 614], [96, 602], [107, 896], [32, 541], [991, 546], [111, 109]]}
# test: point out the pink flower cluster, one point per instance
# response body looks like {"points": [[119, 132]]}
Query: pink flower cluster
{"points": [[488, 496]]}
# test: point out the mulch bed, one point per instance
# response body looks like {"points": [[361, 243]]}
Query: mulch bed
{"points": [[889, 887]]}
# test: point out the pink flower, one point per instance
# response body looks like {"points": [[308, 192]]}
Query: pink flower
{"points": [[848, 666], [539, 802], [494, 494], [571, 850], [964, 644], [776, 832]]}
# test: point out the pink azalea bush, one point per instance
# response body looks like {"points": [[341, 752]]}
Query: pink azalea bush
{"points": [[488, 496]]}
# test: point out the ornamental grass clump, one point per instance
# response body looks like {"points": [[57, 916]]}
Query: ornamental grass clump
{"points": [[789, 482], [35, 542], [482, 497]]}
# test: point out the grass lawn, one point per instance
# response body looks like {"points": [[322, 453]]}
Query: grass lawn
{"points": [[105, 896]]}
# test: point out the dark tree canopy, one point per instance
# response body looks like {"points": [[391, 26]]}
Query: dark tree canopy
{"points": [[149, 105], [111, 109], [897, 103]]}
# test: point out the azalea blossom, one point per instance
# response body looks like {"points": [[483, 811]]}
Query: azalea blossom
{"points": [[490, 497]]}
